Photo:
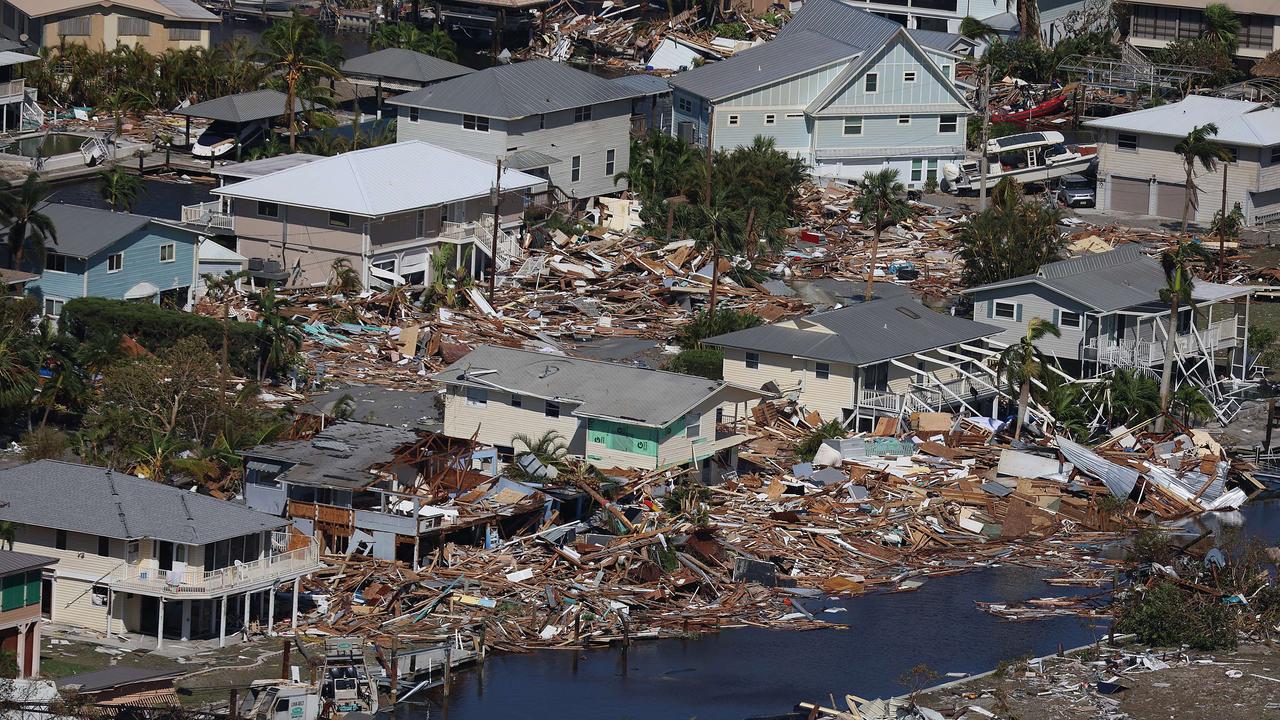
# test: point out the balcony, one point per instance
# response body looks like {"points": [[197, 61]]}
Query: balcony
{"points": [[208, 215], [1219, 335], [13, 91], [236, 578]]}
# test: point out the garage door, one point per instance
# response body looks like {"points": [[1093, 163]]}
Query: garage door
{"points": [[1129, 195], [1170, 199]]}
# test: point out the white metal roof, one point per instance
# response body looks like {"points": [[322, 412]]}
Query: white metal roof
{"points": [[210, 250], [381, 180], [1239, 122]]}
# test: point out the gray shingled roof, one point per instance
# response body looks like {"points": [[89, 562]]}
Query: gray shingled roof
{"points": [[773, 61], [862, 334], [600, 389], [114, 677], [401, 64], [517, 90], [242, 107], [83, 232], [13, 562], [94, 500], [338, 456]]}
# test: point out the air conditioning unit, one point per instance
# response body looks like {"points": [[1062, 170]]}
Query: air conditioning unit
{"points": [[686, 132]]}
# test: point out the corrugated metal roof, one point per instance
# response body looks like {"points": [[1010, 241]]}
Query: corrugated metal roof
{"points": [[265, 166], [402, 64], [526, 159], [84, 231], [842, 22], [647, 84], [761, 65], [862, 334], [97, 501], [517, 90], [381, 180], [600, 389], [935, 40], [242, 107], [1239, 122], [12, 562], [339, 456]]}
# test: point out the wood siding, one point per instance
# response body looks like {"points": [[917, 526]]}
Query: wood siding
{"points": [[496, 422], [1035, 302], [828, 397]]}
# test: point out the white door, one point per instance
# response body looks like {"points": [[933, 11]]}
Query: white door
{"points": [[180, 560]]}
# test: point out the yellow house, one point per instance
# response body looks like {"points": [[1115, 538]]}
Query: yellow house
{"points": [[156, 25]]}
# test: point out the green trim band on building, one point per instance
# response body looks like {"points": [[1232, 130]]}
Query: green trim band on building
{"points": [[621, 437]]}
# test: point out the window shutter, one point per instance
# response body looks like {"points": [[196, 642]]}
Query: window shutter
{"points": [[991, 309], [1017, 313]]}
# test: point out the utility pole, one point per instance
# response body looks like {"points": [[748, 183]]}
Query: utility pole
{"points": [[711, 125], [1222, 228], [493, 255], [986, 128]]}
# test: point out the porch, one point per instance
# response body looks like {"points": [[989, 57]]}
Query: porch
{"points": [[1224, 334], [196, 582], [210, 215]]}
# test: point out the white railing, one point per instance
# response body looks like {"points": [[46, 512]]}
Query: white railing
{"points": [[480, 232], [1219, 334], [195, 581], [13, 88], [918, 400], [209, 214]]}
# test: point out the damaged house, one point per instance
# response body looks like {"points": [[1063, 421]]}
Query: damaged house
{"points": [[883, 358], [613, 415]]}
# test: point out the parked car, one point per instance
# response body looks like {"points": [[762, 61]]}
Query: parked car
{"points": [[1077, 191]]}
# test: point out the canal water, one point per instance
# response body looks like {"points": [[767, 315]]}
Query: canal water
{"points": [[160, 197], [740, 673]]}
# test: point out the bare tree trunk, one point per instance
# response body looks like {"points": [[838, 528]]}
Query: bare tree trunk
{"points": [[871, 269], [293, 116], [1024, 398], [1186, 203], [715, 278], [1166, 372]]}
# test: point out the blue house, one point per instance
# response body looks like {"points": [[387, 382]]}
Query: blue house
{"points": [[112, 255], [844, 89]]}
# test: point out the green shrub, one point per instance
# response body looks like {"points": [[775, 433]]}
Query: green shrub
{"points": [[1167, 615], [43, 443], [706, 324], [830, 429], [157, 328], [703, 362]]}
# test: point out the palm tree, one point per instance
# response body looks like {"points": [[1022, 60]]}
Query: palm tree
{"points": [[293, 49], [662, 166], [18, 369], [717, 229], [121, 101], [1028, 12], [406, 36], [119, 188], [1226, 227], [156, 457], [1199, 147], [1221, 25], [1191, 405], [1136, 394], [972, 28], [1179, 284], [1024, 364], [282, 337], [345, 278], [550, 447], [881, 206], [1066, 402], [29, 228]]}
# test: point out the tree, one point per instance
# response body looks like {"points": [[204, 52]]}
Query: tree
{"points": [[295, 51], [1024, 363], [881, 206], [407, 36], [119, 188], [662, 166], [716, 229], [1028, 12], [974, 29], [22, 206], [705, 324], [1199, 147], [1204, 54], [19, 365], [1067, 404], [123, 100], [1226, 227], [550, 448], [282, 339], [1134, 394], [1191, 405], [345, 278], [1008, 239], [1221, 25], [1179, 284]]}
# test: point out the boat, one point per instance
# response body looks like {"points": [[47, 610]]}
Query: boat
{"points": [[1052, 106], [1026, 157], [346, 685], [222, 137]]}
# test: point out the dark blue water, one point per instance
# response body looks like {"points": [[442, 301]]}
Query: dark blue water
{"points": [[158, 198], [739, 673]]}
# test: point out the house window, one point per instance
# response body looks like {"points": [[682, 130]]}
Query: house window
{"points": [[693, 425], [55, 262], [770, 119], [685, 105], [853, 125], [478, 123], [420, 223], [1005, 310], [139, 27], [582, 114], [268, 209], [947, 124], [909, 76], [99, 596], [872, 83], [78, 26], [477, 397], [1275, 154], [946, 71], [104, 546], [1068, 319], [60, 539], [575, 168], [168, 252], [53, 307], [1233, 154], [516, 401], [552, 410], [931, 171], [917, 170], [753, 360], [1127, 141], [735, 120], [795, 116], [184, 32], [115, 262], [822, 371], [341, 220], [904, 119], [413, 114], [609, 156]]}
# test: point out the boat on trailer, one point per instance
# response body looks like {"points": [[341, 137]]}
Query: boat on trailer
{"points": [[1030, 157]]}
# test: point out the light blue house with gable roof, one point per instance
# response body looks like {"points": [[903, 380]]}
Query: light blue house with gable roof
{"points": [[121, 256], [844, 89]]}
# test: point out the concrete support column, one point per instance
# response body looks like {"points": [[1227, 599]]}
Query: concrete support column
{"points": [[245, 626], [271, 611], [22, 650], [160, 625], [186, 620], [222, 626], [34, 634], [293, 620]]}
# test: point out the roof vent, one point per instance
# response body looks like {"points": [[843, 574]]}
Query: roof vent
{"points": [[548, 371], [909, 312]]}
